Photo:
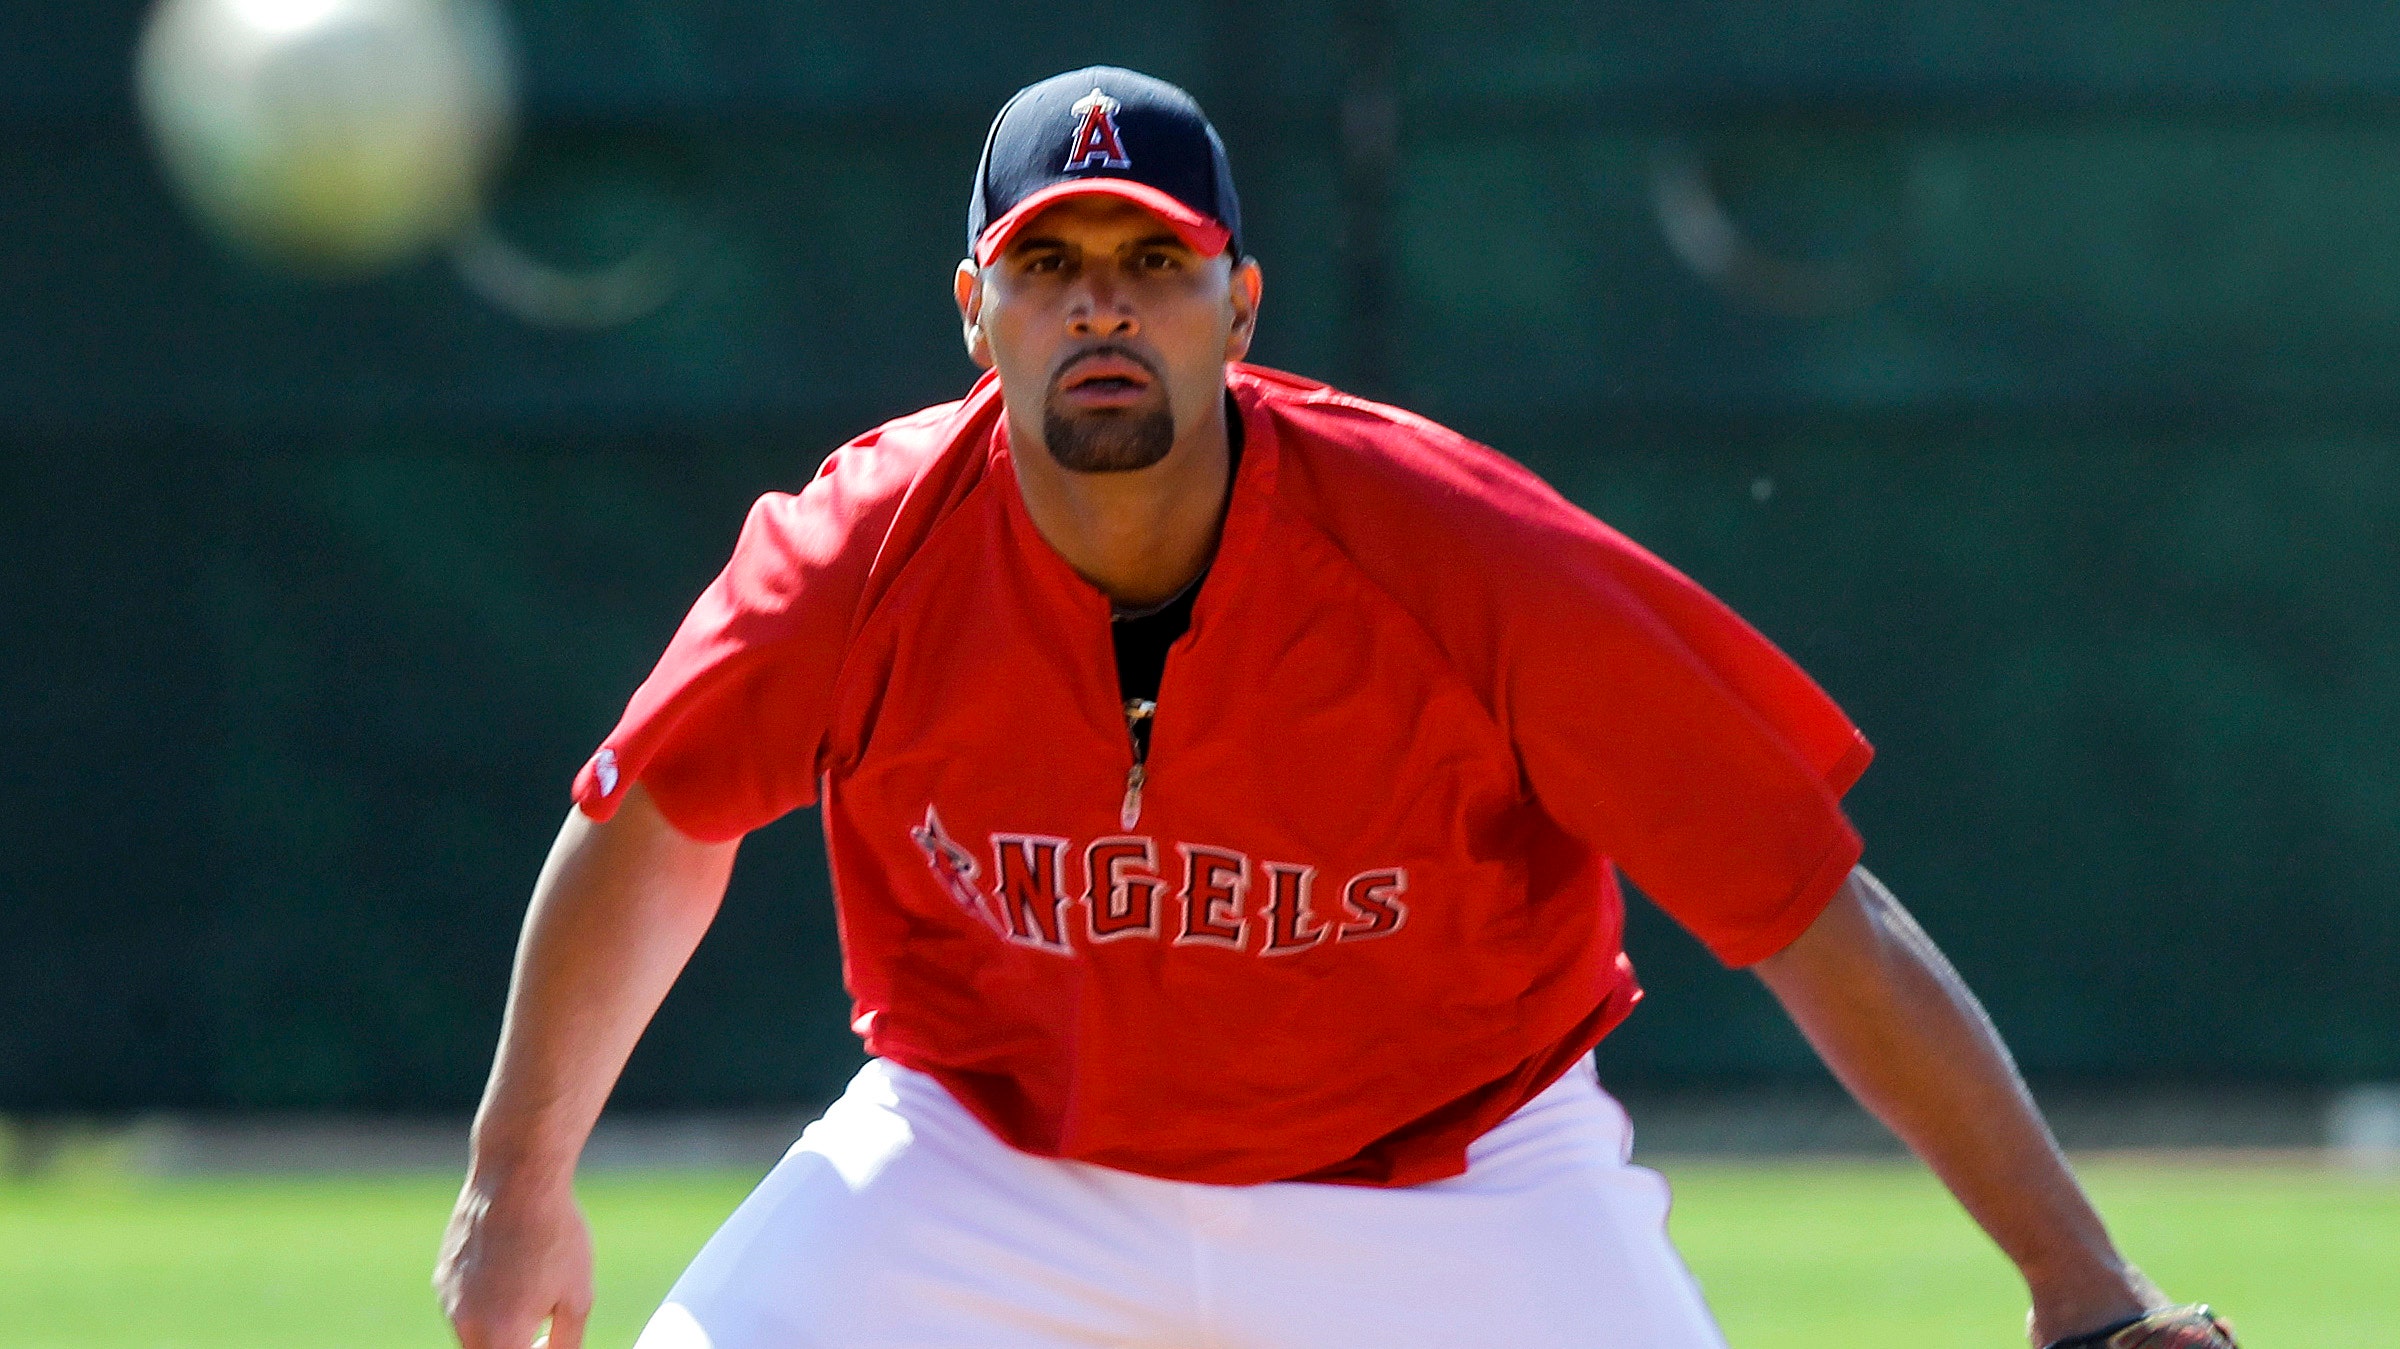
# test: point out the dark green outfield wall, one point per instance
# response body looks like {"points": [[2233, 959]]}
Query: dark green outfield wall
{"points": [[2069, 464]]}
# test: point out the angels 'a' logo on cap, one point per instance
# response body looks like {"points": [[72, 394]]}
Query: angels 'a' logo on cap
{"points": [[1097, 144]]}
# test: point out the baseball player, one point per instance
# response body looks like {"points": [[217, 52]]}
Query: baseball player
{"points": [[1225, 782]]}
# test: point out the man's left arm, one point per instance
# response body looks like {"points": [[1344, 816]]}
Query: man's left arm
{"points": [[1892, 1019]]}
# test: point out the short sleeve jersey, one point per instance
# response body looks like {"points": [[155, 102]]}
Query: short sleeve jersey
{"points": [[1365, 901]]}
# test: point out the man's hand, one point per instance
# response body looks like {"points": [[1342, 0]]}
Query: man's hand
{"points": [[512, 1258]]}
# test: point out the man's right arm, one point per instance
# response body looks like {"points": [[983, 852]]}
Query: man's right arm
{"points": [[618, 910]]}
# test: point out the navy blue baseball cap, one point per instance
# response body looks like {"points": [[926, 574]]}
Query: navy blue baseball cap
{"points": [[1104, 131]]}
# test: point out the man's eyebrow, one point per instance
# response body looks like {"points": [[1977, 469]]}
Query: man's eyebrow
{"points": [[1029, 243], [1162, 239]]}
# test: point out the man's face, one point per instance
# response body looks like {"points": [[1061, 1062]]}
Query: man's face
{"points": [[1108, 327]]}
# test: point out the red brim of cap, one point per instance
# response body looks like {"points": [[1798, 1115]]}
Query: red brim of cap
{"points": [[1206, 236]]}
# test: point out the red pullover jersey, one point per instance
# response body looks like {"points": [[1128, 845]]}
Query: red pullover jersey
{"points": [[1364, 901]]}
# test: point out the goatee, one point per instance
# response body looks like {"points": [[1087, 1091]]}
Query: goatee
{"points": [[1108, 442]]}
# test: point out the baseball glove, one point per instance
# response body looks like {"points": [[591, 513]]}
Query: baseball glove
{"points": [[2193, 1327]]}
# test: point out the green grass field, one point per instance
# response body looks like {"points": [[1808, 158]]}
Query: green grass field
{"points": [[1794, 1256]]}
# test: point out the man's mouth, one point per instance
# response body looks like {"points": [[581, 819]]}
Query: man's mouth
{"points": [[1104, 380]]}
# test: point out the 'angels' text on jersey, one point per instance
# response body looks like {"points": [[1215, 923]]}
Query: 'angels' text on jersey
{"points": [[1127, 887]]}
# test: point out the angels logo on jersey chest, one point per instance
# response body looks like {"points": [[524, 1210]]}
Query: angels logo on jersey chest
{"points": [[1058, 894]]}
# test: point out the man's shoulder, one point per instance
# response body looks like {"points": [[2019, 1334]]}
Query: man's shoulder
{"points": [[1464, 537], [1360, 466], [904, 449], [866, 483], [927, 430]]}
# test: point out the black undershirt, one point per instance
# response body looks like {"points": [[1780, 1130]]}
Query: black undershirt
{"points": [[1142, 638]]}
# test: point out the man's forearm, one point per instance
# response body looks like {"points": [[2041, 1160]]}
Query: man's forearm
{"points": [[1895, 1023], [617, 912]]}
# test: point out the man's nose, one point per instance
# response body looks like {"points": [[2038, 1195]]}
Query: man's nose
{"points": [[1099, 309]]}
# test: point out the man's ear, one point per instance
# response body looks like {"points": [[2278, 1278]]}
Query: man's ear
{"points": [[1246, 282], [967, 286]]}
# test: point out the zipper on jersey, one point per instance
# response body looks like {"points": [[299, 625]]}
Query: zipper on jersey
{"points": [[1139, 713]]}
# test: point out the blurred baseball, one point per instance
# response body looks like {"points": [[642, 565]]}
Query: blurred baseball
{"points": [[338, 136]]}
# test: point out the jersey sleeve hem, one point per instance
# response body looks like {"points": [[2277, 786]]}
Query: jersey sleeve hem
{"points": [[596, 799], [1808, 901], [1846, 770], [600, 807]]}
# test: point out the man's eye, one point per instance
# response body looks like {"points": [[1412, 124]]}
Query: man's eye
{"points": [[1045, 262], [1157, 262]]}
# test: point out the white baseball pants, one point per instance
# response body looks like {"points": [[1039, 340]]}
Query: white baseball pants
{"points": [[899, 1222]]}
